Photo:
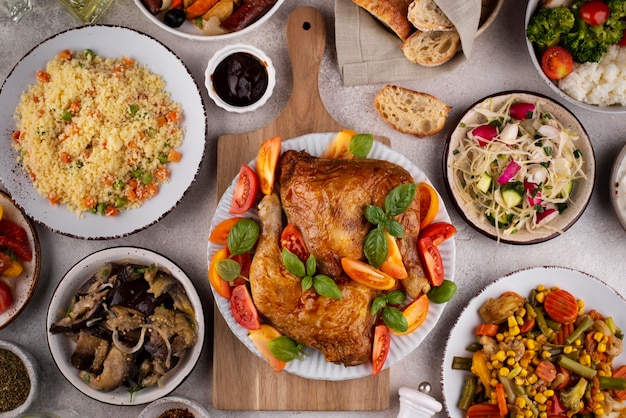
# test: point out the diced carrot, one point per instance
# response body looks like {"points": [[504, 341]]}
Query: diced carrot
{"points": [[173, 116], [110, 211], [176, 4], [161, 121], [128, 61], [53, 198], [66, 54], [131, 194], [483, 410], [65, 157], [108, 179], [89, 202], [32, 175], [174, 156], [42, 76], [529, 324], [561, 306], [620, 372], [546, 371], [74, 107], [501, 399], [199, 7], [15, 136], [489, 330], [162, 174], [595, 315]]}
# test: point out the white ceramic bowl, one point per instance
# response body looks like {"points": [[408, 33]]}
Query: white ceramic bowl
{"points": [[224, 53], [530, 10], [32, 368], [156, 408], [190, 31], [62, 346], [618, 187]]}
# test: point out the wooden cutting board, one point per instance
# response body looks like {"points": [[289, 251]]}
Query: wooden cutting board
{"points": [[241, 381]]}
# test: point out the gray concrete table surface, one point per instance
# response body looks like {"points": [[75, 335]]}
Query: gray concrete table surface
{"points": [[499, 61]]}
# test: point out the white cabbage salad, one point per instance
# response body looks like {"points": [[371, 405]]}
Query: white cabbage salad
{"points": [[517, 168]]}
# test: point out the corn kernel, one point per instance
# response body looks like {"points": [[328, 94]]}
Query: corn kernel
{"points": [[541, 288], [548, 393], [532, 379], [546, 354], [535, 361], [519, 381], [499, 337], [500, 356], [494, 382], [601, 347], [602, 373], [599, 411], [580, 303], [600, 397], [540, 297], [511, 321], [521, 312], [524, 363], [585, 360], [540, 399], [567, 349], [510, 361], [496, 364], [523, 373], [489, 366], [530, 344], [528, 413], [577, 342], [506, 334], [520, 402], [598, 336], [504, 371], [532, 392], [513, 331], [542, 414]]}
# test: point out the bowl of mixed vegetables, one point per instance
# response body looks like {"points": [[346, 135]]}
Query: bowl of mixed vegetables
{"points": [[519, 167], [533, 344], [579, 49]]}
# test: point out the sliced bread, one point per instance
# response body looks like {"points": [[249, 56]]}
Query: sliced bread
{"points": [[425, 15], [411, 112], [391, 13], [431, 48]]}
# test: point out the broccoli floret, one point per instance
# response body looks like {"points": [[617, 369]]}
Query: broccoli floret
{"points": [[582, 43], [571, 399], [613, 29], [546, 27]]}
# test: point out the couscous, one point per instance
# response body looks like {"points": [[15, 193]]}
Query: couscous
{"points": [[96, 134]]}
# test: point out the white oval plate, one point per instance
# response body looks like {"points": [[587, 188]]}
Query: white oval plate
{"points": [[315, 366], [190, 31], [62, 347], [596, 294], [108, 41]]}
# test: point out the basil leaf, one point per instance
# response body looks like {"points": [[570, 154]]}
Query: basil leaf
{"points": [[285, 349], [326, 286], [400, 198], [393, 318], [293, 263], [311, 265], [374, 215], [443, 292], [228, 269], [361, 145], [375, 247], [307, 282], [394, 228], [243, 236], [395, 297], [379, 303]]}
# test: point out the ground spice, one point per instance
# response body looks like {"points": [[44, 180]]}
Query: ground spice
{"points": [[176, 413], [14, 381]]}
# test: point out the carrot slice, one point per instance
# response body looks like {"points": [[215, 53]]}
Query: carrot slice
{"points": [[564, 331], [546, 371], [483, 410], [501, 399], [199, 7], [489, 330], [561, 306], [620, 372]]}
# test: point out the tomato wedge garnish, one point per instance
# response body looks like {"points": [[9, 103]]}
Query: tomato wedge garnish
{"points": [[367, 275], [382, 342], [12, 230], [339, 146], [438, 232], [6, 299], [431, 261], [260, 338], [221, 286], [245, 192], [243, 308], [266, 161], [219, 235], [291, 239], [415, 314], [393, 264], [557, 62], [429, 204]]}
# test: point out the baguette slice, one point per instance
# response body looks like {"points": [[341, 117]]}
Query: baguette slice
{"points": [[411, 112], [432, 48], [391, 13], [425, 15]]}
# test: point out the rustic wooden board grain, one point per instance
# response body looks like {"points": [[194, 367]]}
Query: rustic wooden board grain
{"points": [[241, 381]]}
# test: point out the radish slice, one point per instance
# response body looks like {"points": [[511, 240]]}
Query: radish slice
{"points": [[484, 134], [546, 216], [509, 172], [522, 111], [534, 195]]}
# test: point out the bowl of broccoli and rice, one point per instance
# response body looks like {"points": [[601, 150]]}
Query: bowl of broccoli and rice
{"points": [[578, 48]]}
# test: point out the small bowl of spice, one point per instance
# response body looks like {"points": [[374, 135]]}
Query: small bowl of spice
{"points": [[240, 78], [18, 379], [174, 407]]}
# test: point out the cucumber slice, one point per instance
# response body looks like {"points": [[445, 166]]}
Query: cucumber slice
{"points": [[484, 183], [567, 190], [512, 193]]}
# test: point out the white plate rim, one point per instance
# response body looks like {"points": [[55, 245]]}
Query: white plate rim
{"points": [[318, 368], [61, 346], [181, 86]]}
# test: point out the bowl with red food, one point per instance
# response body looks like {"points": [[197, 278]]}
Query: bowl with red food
{"points": [[579, 49], [209, 20]]}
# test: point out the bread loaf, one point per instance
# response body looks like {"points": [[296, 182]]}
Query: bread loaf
{"points": [[425, 15], [431, 48], [392, 13], [411, 112]]}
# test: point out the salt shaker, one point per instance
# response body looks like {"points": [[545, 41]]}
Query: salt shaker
{"points": [[417, 403]]}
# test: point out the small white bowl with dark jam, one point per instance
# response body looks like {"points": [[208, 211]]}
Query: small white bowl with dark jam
{"points": [[240, 78]]}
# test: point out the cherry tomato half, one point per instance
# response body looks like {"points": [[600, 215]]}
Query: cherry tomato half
{"points": [[245, 192], [266, 161], [622, 42], [438, 232], [291, 239], [6, 299], [382, 342], [557, 62], [594, 12], [431, 261], [243, 308]]}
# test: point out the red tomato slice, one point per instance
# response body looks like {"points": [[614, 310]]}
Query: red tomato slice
{"points": [[557, 62], [6, 299], [12, 230], [243, 308], [382, 342], [594, 12], [244, 260], [266, 161], [245, 192], [291, 239], [260, 338], [415, 314], [438, 232], [367, 275], [431, 261], [221, 286], [21, 249], [219, 235]]}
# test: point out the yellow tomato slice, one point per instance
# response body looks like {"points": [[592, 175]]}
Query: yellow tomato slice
{"points": [[339, 147], [266, 161], [260, 337], [415, 314], [393, 264], [429, 204], [219, 235], [367, 275], [221, 286], [14, 270]]}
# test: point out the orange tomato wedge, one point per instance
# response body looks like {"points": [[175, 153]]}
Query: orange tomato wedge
{"points": [[219, 235], [367, 275], [260, 337], [429, 204], [415, 314], [393, 264], [221, 286], [339, 147], [266, 161]]}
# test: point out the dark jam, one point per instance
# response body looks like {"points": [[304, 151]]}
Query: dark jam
{"points": [[240, 79]]}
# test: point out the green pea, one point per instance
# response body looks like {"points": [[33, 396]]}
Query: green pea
{"points": [[66, 116], [442, 293], [120, 202], [118, 185], [146, 178]]}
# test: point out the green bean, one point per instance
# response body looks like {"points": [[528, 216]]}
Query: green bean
{"points": [[461, 363], [576, 367], [586, 323], [473, 347], [616, 383], [543, 326], [469, 390]]}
